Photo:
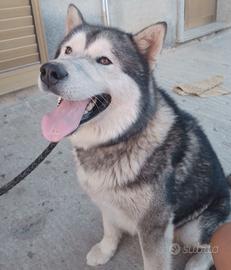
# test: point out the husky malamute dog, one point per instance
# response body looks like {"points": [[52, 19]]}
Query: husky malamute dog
{"points": [[146, 164]]}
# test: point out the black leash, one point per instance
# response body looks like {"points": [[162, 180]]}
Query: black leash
{"points": [[8, 186]]}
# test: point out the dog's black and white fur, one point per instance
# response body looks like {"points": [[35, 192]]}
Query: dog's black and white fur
{"points": [[146, 163]]}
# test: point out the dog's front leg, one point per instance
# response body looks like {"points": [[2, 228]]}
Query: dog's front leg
{"points": [[156, 247], [102, 252]]}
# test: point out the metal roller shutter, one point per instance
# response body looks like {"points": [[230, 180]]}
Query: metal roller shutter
{"points": [[22, 44]]}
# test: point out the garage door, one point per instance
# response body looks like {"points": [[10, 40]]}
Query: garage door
{"points": [[22, 44]]}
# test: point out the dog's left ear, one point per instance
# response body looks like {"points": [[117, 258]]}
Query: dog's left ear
{"points": [[74, 18], [150, 41]]}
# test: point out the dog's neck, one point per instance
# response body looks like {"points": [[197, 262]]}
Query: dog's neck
{"points": [[147, 112]]}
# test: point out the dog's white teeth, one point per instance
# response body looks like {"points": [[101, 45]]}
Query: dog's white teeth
{"points": [[59, 101], [90, 106]]}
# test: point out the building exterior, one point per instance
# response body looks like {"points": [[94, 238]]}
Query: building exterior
{"points": [[23, 41], [187, 19]]}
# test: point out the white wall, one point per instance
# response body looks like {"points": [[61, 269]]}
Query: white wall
{"points": [[133, 15], [224, 11]]}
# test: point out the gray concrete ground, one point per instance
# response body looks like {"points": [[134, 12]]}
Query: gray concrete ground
{"points": [[47, 222]]}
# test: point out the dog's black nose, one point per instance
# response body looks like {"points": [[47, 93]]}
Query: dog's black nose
{"points": [[51, 73]]}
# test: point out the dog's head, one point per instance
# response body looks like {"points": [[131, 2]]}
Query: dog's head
{"points": [[103, 77]]}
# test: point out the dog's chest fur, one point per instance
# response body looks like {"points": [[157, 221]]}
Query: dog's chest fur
{"points": [[104, 175], [106, 172]]}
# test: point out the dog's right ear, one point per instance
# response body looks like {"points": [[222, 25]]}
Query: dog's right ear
{"points": [[74, 18]]}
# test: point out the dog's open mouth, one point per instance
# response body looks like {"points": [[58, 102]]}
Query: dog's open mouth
{"points": [[69, 115]]}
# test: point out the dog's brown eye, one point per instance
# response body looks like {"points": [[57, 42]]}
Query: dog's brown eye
{"points": [[68, 50], [104, 61]]}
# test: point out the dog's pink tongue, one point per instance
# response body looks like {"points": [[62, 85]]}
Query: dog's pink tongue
{"points": [[63, 120]]}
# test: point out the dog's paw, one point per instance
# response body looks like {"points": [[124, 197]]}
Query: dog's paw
{"points": [[97, 257]]}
